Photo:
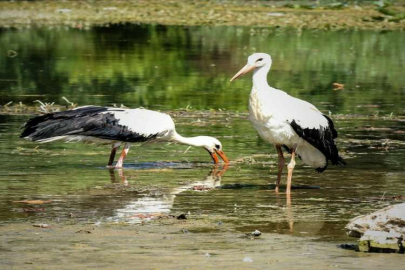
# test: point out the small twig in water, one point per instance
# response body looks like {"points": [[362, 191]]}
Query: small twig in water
{"points": [[383, 196], [186, 150]]}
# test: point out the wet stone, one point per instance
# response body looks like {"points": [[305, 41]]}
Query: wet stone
{"points": [[42, 225], [252, 235], [256, 233], [381, 231]]}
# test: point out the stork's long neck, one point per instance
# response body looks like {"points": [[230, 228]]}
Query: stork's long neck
{"points": [[260, 78], [192, 141]]}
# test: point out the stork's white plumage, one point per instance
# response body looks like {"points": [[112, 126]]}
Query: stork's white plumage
{"points": [[105, 125], [290, 122]]}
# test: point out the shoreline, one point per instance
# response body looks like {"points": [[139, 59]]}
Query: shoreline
{"points": [[84, 15]]}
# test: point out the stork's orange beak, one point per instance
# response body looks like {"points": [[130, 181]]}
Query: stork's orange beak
{"points": [[221, 154], [214, 157], [244, 70]]}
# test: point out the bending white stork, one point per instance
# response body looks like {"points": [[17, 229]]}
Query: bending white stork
{"points": [[290, 122], [104, 125]]}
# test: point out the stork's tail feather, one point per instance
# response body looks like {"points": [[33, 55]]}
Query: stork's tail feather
{"points": [[31, 127], [55, 126]]}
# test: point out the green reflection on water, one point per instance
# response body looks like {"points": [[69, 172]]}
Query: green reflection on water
{"points": [[163, 67]]}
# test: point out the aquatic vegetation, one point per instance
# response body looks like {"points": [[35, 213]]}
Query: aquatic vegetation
{"points": [[84, 15]]}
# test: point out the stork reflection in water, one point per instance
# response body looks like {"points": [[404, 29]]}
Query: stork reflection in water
{"points": [[154, 206]]}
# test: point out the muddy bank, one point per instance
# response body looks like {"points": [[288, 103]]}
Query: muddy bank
{"points": [[170, 244], [176, 12]]}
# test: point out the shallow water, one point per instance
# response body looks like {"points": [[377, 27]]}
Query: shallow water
{"points": [[168, 68]]}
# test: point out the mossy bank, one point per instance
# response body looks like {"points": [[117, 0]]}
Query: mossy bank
{"points": [[84, 14]]}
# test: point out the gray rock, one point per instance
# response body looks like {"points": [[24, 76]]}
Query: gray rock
{"points": [[383, 230]]}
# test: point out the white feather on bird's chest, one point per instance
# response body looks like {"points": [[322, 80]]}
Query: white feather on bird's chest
{"points": [[269, 127]]}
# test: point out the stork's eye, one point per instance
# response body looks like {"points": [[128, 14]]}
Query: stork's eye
{"points": [[217, 146], [260, 59]]}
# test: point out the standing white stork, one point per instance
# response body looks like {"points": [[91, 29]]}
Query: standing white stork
{"points": [[106, 125], [290, 122]]}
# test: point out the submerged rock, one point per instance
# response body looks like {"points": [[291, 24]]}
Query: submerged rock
{"points": [[383, 230]]}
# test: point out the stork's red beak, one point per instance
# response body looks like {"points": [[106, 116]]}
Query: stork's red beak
{"points": [[244, 70], [221, 154]]}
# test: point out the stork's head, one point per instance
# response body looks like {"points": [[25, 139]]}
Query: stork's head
{"points": [[255, 61], [214, 147]]}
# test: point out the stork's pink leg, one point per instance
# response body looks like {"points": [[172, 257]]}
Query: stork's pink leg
{"points": [[114, 148], [124, 154], [281, 163], [290, 168]]}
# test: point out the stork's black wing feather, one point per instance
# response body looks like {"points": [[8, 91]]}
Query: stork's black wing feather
{"points": [[331, 127], [94, 121], [321, 138]]}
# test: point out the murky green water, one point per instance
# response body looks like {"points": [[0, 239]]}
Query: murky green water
{"points": [[167, 68]]}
